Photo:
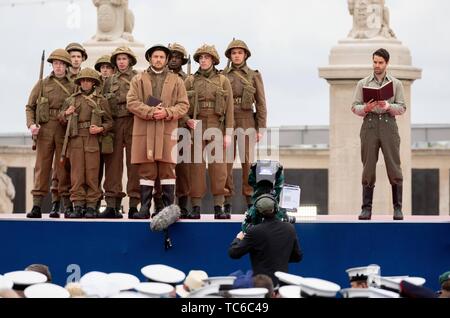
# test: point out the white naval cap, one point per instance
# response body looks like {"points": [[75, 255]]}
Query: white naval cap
{"points": [[315, 287], [220, 280], [163, 274], [155, 290], [98, 284], [193, 281], [6, 283], [287, 278], [22, 279], [290, 291], [248, 292], [206, 291], [46, 290], [393, 282], [363, 273], [370, 292], [130, 294], [124, 281]]}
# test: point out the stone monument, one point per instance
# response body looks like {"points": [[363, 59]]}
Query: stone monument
{"points": [[115, 23], [7, 190], [349, 61]]}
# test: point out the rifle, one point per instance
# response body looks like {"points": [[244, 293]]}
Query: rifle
{"points": [[189, 66], [229, 60], [66, 140], [41, 76]]}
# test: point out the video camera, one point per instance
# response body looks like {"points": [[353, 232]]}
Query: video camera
{"points": [[267, 179]]}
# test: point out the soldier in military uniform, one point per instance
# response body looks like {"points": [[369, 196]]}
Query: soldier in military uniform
{"points": [[106, 69], [44, 104], [211, 104], [178, 58], [84, 113], [116, 90], [250, 114], [379, 130], [77, 55], [157, 98]]}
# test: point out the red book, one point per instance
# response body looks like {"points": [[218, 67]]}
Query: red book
{"points": [[385, 92]]}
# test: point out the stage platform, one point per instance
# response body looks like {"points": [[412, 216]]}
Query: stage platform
{"points": [[416, 246]]}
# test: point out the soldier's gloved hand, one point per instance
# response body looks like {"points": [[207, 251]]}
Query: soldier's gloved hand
{"points": [[34, 129]]}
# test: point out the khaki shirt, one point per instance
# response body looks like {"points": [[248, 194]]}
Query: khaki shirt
{"points": [[397, 102], [118, 86], [237, 84], [51, 90], [84, 108], [207, 93]]}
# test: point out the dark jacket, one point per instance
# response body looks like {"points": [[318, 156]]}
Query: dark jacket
{"points": [[272, 244]]}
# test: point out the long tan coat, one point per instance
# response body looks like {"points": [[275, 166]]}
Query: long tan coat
{"points": [[154, 140]]}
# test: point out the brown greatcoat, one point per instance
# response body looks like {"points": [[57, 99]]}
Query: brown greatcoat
{"points": [[156, 140]]}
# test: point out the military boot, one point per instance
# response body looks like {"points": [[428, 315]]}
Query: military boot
{"points": [[397, 195], [219, 213], [366, 213], [146, 203], [118, 211], [167, 196], [67, 206], [110, 211], [77, 213], [195, 213], [159, 204], [35, 213], [182, 203], [54, 213], [91, 213], [227, 208]]}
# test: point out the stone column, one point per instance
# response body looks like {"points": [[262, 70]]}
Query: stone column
{"points": [[349, 62]]}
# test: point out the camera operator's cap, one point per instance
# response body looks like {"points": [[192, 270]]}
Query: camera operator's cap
{"points": [[248, 292], [23, 279], [362, 273], [265, 205], [289, 279], [124, 281], [5, 283], [315, 287], [163, 274], [368, 293], [444, 277], [220, 280], [155, 290], [208, 290], [290, 291], [46, 290], [193, 281]]}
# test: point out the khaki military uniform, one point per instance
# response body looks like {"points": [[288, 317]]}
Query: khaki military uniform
{"points": [[209, 88], [83, 147], [116, 90], [248, 90], [51, 134]]}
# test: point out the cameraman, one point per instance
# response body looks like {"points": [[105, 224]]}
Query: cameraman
{"points": [[271, 244]]}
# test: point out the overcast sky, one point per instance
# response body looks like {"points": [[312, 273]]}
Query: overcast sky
{"points": [[289, 40]]}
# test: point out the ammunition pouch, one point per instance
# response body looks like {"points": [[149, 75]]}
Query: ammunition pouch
{"points": [[107, 143], [43, 110], [219, 108], [74, 125], [248, 97]]}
